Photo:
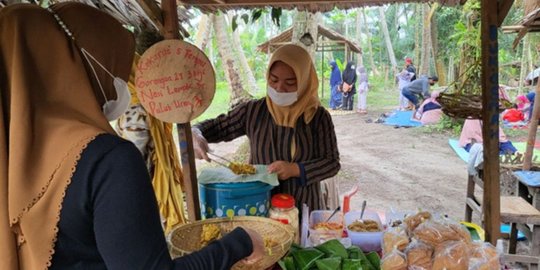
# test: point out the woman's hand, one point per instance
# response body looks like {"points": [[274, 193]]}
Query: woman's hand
{"points": [[258, 247], [200, 145], [284, 170]]}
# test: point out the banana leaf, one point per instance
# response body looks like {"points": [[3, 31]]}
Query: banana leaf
{"points": [[287, 263], [355, 252], [333, 248], [332, 263], [306, 258], [352, 264], [374, 259]]}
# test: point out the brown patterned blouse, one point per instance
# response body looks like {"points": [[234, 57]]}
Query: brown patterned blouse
{"points": [[316, 146]]}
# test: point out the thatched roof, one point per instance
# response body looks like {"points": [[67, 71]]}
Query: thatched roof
{"points": [[286, 36], [529, 23], [301, 5]]}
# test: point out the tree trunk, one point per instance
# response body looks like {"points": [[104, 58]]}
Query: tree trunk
{"points": [[451, 71], [359, 60], [417, 42], [368, 41], [248, 78], [523, 66], [389, 47], [426, 42], [203, 31], [230, 67], [306, 31], [439, 64]]}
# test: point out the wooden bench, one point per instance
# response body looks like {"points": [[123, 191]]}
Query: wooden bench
{"points": [[516, 211]]}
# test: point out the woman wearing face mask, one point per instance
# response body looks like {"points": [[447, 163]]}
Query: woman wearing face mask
{"points": [[73, 195], [288, 129]]}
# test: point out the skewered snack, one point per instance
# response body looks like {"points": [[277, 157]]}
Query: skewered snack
{"points": [[241, 168], [366, 225], [210, 232]]}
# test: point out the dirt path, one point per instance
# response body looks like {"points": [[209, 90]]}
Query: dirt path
{"points": [[402, 168]]}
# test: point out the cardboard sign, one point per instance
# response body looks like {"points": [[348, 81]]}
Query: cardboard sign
{"points": [[175, 81]]}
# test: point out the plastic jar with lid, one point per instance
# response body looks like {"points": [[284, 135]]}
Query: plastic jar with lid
{"points": [[284, 210]]}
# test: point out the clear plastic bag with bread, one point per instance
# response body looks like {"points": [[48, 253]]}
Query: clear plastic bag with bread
{"points": [[436, 232], [395, 238], [395, 260], [452, 255], [411, 222], [484, 256], [419, 255]]}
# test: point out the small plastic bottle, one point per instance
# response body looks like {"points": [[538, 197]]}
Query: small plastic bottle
{"points": [[284, 210]]}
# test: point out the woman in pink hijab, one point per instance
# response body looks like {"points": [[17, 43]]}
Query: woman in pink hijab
{"points": [[472, 133], [430, 112]]}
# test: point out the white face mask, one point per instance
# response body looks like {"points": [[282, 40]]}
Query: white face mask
{"points": [[282, 99], [112, 108]]}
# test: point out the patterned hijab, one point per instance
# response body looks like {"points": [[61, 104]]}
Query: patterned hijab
{"points": [[308, 85], [51, 109]]}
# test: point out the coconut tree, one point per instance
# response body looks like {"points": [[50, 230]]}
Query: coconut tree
{"points": [[229, 64], [388, 41], [203, 31], [368, 41], [247, 73]]}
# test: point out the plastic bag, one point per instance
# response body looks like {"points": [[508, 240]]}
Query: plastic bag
{"points": [[395, 238], [419, 256], [395, 260], [484, 256], [435, 233], [452, 255]]}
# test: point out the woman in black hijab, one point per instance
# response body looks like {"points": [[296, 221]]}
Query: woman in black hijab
{"points": [[348, 87]]}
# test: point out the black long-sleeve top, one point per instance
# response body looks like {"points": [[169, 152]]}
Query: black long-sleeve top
{"points": [[316, 146], [110, 219]]}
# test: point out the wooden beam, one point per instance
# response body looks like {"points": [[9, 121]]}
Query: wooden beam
{"points": [[170, 23], [490, 118], [153, 12], [504, 8]]}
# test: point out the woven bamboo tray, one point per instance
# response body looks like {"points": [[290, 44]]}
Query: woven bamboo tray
{"points": [[186, 238]]}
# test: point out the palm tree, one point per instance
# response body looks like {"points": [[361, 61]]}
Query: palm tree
{"points": [[230, 66]]}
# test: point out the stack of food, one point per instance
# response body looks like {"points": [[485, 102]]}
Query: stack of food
{"points": [[422, 242]]}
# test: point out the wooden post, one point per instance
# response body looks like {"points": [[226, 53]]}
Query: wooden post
{"points": [[490, 117], [533, 125], [322, 75], [170, 31]]}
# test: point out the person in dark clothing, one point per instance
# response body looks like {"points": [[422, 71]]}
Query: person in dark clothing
{"points": [[348, 87], [73, 195], [410, 67], [335, 81], [288, 130]]}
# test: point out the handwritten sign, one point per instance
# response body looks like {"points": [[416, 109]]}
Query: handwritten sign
{"points": [[175, 81]]}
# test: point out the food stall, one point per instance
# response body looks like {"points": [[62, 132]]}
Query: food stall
{"points": [[392, 253]]}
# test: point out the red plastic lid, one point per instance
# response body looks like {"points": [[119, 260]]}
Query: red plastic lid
{"points": [[282, 201]]}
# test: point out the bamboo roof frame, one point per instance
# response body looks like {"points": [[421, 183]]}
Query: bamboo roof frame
{"points": [[301, 5], [341, 41]]}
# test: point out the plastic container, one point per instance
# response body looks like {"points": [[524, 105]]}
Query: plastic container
{"points": [[284, 210], [234, 199], [367, 241], [319, 236]]}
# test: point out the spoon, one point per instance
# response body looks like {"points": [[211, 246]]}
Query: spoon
{"points": [[333, 213], [363, 209]]}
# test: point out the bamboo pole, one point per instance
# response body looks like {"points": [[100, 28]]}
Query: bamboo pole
{"points": [[170, 31], [490, 117]]}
